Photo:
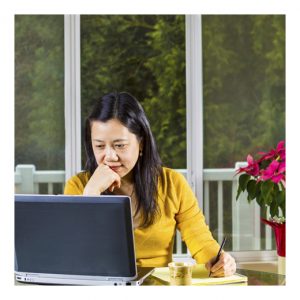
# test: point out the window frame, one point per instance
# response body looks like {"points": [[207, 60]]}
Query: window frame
{"points": [[194, 105], [72, 95]]}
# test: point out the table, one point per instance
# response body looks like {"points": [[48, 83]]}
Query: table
{"points": [[254, 278]]}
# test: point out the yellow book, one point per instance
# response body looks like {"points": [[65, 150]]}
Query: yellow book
{"points": [[200, 277]]}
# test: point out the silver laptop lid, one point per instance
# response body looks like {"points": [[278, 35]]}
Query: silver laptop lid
{"points": [[74, 235]]}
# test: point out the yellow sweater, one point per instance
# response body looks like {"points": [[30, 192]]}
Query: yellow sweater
{"points": [[179, 209]]}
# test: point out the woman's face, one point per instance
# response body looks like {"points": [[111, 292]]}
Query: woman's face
{"points": [[114, 145]]}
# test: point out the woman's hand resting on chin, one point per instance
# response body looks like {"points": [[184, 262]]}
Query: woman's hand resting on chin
{"points": [[103, 178]]}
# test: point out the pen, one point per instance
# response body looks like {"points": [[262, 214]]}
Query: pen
{"points": [[218, 255]]}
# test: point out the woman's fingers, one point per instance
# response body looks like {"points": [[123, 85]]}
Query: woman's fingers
{"points": [[102, 179], [225, 266], [115, 184]]}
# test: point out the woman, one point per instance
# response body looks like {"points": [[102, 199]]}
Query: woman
{"points": [[122, 159]]}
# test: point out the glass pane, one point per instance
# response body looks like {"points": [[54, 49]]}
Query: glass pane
{"points": [[143, 55], [39, 92], [244, 112]]}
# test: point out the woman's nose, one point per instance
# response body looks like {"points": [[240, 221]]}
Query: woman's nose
{"points": [[111, 154]]}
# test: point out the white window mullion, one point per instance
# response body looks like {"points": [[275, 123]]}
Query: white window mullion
{"points": [[72, 95], [194, 105]]}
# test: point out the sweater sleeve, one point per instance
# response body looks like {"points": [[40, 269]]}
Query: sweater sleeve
{"points": [[191, 224], [75, 185]]}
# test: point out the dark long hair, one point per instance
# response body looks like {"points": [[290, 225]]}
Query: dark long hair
{"points": [[125, 108]]}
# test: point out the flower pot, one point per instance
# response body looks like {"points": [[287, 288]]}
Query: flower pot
{"points": [[279, 231], [281, 265]]}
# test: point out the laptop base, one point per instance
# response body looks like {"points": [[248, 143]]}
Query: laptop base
{"points": [[56, 279]]}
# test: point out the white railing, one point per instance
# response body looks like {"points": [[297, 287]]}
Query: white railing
{"points": [[245, 218], [29, 181]]}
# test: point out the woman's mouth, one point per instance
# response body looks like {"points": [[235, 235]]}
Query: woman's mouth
{"points": [[115, 169]]}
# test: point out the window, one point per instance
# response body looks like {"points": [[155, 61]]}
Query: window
{"points": [[144, 55], [244, 107], [39, 91], [243, 68]]}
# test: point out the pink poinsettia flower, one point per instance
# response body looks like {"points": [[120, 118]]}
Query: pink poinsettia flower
{"points": [[279, 152], [275, 172], [252, 167], [270, 168]]}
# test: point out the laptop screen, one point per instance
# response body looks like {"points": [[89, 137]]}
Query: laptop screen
{"points": [[74, 235]]}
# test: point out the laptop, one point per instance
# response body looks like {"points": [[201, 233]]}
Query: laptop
{"points": [[75, 240]]}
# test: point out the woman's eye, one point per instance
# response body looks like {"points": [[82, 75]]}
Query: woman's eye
{"points": [[120, 146], [100, 146]]}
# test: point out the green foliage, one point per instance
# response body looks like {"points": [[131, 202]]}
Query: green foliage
{"points": [[266, 193], [251, 188], [244, 86], [39, 91], [144, 55], [280, 200], [243, 181], [244, 81]]}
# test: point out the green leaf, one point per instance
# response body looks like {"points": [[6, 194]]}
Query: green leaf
{"points": [[258, 188], [249, 199], [259, 199], [274, 208], [243, 180], [266, 189], [276, 189], [251, 189], [283, 210], [280, 199]]}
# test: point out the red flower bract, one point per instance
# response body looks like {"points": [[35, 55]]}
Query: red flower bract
{"points": [[275, 171], [279, 152], [252, 168]]}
